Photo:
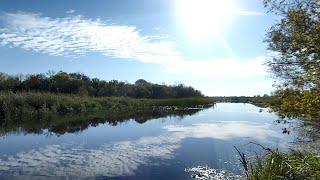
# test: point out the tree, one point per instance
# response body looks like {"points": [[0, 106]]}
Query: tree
{"points": [[77, 83], [37, 82], [8, 82], [295, 39]]}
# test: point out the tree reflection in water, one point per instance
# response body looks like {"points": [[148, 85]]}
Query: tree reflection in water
{"points": [[75, 123]]}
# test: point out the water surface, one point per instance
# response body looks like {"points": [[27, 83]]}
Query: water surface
{"points": [[156, 148]]}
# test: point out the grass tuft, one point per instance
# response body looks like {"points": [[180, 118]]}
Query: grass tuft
{"points": [[285, 166]]}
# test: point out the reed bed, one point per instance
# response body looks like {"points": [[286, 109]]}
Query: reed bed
{"points": [[28, 104]]}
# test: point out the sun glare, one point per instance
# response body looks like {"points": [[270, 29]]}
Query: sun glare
{"points": [[204, 18]]}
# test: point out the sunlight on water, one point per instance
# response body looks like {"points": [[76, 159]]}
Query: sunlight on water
{"points": [[207, 173]]}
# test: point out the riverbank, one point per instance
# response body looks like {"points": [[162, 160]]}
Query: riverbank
{"points": [[293, 165], [303, 161], [30, 104]]}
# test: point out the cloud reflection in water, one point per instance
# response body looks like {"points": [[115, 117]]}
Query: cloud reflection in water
{"points": [[123, 158], [226, 130]]}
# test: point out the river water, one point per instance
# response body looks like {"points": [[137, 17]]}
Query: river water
{"points": [[173, 147]]}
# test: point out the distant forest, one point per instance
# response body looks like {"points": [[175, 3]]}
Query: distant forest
{"points": [[77, 83]]}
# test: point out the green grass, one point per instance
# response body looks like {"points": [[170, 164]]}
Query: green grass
{"points": [[29, 104], [285, 166]]}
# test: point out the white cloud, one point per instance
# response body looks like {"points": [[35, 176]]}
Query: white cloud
{"points": [[233, 86], [74, 36], [248, 13], [71, 11], [220, 68]]}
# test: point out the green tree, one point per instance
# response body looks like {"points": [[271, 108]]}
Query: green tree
{"points": [[8, 82], [142, 89], [37, 82], [77, 83], [295, 39], [60, 82]]}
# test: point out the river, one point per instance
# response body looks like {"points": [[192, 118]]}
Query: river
{"points": [[172, 147]]}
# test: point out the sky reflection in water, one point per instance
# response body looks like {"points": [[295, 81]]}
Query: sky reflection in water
{"points": [[172, 144]]}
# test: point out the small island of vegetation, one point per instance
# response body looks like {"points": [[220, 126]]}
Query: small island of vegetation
{"points": [[26, 96]]}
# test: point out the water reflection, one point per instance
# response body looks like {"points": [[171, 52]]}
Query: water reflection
{"points": [[72, 160], [207, 173], [60, 125], [307, 136], [113, 149], [227, 130], [122, 158]]}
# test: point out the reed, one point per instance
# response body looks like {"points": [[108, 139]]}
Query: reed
{"points": [[29, 104], [287, 166]]}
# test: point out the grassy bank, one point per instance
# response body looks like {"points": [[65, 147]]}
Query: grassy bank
{"points": [[287, 166], [29, 104]]}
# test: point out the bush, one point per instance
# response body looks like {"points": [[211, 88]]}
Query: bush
{"points": [[305, 104]]}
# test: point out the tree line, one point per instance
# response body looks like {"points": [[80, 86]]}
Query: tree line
{"points": [[80, 84]]}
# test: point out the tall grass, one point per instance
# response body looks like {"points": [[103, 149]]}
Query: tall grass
{"points": [[28, 104], [293, 165]]}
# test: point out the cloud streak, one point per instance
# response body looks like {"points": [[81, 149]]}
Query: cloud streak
{"points": [[240, 12], [74, 36], [71, 11], [220, 67]]}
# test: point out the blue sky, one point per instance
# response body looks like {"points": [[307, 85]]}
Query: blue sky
{"points": [[214, 46]]}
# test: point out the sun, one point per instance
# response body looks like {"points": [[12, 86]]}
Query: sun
{"points": [[204, 18]]}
